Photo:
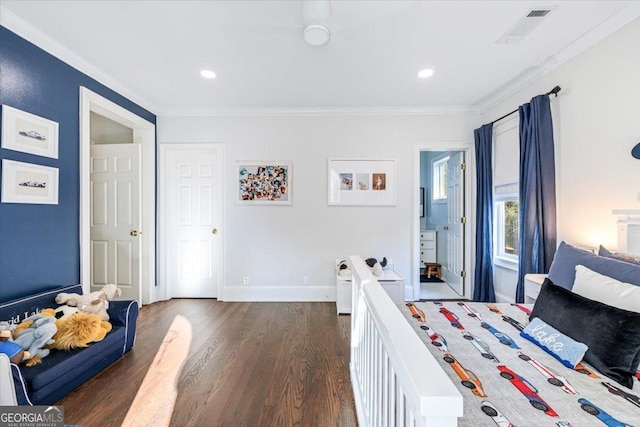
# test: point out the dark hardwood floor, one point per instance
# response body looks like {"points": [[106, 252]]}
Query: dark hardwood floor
{"points": [[250, 364]]}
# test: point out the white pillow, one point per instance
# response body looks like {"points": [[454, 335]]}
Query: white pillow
{"points": [[598, 287]]}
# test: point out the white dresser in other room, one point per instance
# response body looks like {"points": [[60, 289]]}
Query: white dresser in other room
{"points": [[391, 282], [427, 246]]}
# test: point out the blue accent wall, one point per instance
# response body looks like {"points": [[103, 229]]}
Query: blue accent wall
{"points": [[39, 244]]}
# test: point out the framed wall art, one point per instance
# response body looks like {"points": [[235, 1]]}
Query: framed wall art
{"points": [[29, 183], [28, 133], [264, 183], [369, 182]]}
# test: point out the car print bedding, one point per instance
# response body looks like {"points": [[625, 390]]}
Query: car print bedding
{"points": [[506, 379]]}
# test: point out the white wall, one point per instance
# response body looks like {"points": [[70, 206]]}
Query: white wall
{"points": [[597, 123], [277, 245]]}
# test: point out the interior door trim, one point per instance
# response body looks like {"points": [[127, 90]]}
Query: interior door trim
{"points": [[470, 206], [144, 133]]}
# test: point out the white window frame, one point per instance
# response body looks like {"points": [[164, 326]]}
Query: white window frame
{"points": [[501, 258], [438, 191]]}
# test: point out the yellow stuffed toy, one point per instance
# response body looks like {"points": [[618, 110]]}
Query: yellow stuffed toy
{"points": [[75, 331], [79, 330]]}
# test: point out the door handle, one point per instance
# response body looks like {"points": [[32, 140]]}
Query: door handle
{"points": [[135, 233], [214, 231]]}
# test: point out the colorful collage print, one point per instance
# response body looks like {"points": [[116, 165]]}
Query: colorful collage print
{"points": [[266, 183]]}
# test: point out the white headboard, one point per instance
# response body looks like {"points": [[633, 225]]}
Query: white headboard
{"points": [[628, 231]]}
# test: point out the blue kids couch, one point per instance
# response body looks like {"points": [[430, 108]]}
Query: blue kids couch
{"points": [[62, 371]]}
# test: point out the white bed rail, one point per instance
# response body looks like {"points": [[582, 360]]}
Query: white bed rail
{"points": [[396, 381]]}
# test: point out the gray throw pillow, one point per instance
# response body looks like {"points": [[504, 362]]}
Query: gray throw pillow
{"points": [[563, 267], [602, 251]]}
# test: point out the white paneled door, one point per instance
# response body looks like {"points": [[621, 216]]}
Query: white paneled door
{"points": [[115, 218], [453, 271], [193, 246]]}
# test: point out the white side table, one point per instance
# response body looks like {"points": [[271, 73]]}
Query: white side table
{"points": [[391, 282], [532, 285], [343, 294]]}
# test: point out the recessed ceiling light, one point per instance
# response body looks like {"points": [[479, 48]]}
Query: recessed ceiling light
{"points": [[208, 74], [427, 72]]}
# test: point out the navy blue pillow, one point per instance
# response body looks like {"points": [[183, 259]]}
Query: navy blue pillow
{"points": [[612, 334], [563, 267]]}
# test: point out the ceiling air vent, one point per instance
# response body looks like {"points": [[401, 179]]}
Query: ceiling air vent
{"points": [[525, 25], [538, 13]]}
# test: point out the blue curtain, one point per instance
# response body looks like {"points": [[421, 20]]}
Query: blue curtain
{"points": [[483, 275], [537, 222]]}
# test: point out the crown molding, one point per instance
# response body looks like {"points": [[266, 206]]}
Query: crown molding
{"points": [[320, 112], [12, 22], [610, 25]]}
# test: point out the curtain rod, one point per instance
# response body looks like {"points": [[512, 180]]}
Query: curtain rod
{"points": [[553, 91]]}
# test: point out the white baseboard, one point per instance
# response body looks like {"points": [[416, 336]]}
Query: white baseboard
{"points": [[279, 293]]}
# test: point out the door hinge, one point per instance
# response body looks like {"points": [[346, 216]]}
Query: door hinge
{"points": [[463, 274], [463, 166], [463, 220]]}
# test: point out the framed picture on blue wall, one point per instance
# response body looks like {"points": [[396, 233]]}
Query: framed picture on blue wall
{"points": [[28, 133], [29, 183]]}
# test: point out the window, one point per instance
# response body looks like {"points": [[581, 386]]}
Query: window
{"points": [[506, 228], [439, 184], [506, 156]]}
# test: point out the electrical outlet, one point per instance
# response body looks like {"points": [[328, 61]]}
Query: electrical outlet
{"points": [[245, 280], [305, 280]]}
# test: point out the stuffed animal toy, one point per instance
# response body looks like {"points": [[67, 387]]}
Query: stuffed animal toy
{"points": [[375, 266], [15, 353], [95, 302], [79, 330], [343, 268], [6, 326], [34, 333], [65, 311]]}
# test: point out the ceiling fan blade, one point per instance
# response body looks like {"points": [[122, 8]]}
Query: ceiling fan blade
{"points": [[261, 28], [350, 21]]}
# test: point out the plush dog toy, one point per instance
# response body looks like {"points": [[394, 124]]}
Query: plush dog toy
{"points": [[95, 302], [375, 266], [65, 311], [34, 333], [343, 268], [15, 353]]}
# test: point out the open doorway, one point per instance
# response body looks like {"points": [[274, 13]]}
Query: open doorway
{"points": [[441, 226], [117, 198]]}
